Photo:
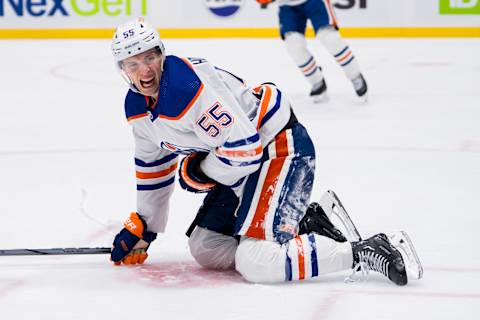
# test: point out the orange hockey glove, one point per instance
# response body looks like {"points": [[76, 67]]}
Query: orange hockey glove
{"points": [[131, 243]]}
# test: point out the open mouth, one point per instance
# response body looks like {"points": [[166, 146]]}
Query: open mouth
{"points": [[147, 83]]}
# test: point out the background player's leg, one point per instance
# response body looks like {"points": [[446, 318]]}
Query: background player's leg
{"points": [[296, 46], [322, 16], [292, 29], [339, 49]]}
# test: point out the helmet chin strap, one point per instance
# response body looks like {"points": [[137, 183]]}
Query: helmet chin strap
{"points": [[129, 81], [161, 63]]}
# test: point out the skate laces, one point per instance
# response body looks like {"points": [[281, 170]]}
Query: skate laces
{"points": [[359, 273], [368, 261]]}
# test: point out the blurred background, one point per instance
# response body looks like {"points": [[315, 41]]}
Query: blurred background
{"points": [[233, 18]]}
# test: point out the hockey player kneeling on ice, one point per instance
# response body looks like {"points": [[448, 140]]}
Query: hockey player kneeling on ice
{"points": [[246, 149]]}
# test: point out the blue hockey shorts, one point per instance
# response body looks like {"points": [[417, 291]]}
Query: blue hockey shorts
{"points": [[294, 18]]}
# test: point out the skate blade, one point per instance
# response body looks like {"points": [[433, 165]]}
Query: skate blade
{"points": [[320, 98], [331, 204], [364, 98], [402, 242]]}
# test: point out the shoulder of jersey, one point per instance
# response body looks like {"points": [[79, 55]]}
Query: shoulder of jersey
{"points": [[179, 88], [135, 106]]}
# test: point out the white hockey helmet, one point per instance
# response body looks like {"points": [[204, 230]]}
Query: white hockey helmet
{"points": [[132, 38]]}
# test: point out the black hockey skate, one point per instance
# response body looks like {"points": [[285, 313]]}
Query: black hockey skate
{"points": [[315, 220], [378, 254], [332, 206], [360, 86], [319, 91]]}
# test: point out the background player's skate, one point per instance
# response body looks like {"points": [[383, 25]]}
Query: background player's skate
{"points": [[319, 91]]}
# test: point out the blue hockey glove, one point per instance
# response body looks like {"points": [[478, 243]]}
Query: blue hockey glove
{"points": [[131, 243], [191, 177]]}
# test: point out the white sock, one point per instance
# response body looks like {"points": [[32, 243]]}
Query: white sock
{"points": [[297, 48], [339, 49]]}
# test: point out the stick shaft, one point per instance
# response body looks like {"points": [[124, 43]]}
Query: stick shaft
{"points": [[54, 251]]}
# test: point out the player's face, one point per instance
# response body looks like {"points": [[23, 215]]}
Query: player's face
{"points": [[145, 70]]}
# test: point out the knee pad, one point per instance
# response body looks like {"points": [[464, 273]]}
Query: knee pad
{"points": [[212, 250], [297, 47], [260, 261]]}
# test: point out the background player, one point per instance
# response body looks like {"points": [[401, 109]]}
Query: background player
{"points": [[244, 147], [293, 16]]}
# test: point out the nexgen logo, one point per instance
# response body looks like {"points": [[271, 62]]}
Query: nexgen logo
{"points": [[39, 8]]}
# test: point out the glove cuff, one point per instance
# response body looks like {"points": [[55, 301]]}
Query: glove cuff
{"points": [[191, 177], [135, 224], [138, 227]]}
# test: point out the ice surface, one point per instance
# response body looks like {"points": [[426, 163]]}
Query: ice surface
{"points": [[409, 159]]}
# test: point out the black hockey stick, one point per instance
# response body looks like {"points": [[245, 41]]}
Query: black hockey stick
{"points": [[54, 251]]}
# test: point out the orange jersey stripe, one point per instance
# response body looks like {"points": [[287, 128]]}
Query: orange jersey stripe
{"points": [[257, 227], [243, 153], [158, 174], [187, 63], [265, 102], [301, 258], [137, 116]]}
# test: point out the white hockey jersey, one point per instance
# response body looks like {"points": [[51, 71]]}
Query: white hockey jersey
{"points": [[199, 108]]}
